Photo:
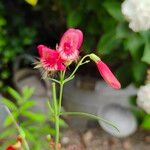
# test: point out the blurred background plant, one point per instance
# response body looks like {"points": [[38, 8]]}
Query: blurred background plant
{"points": [[35, 125], [16, 37], [106, 33], [27, 23]]}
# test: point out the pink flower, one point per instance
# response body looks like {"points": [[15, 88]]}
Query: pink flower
{"points": [[50, 59], [69, 45], [105, 72]]}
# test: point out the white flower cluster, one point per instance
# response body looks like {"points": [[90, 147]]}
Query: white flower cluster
{"points": [[137, 12], [143, 98]]}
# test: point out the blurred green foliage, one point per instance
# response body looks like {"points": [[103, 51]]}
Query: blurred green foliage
{"points": [[31, 122], [142, 117], [106, 33], [16, 37], [36, 125]]}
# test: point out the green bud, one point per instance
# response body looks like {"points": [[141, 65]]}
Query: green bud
{"points": [[94, 57]]}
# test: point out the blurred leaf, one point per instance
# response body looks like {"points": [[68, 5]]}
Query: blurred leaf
{"points": [[34, 116], [27, 92], [22, 133], [7, 133], [62, 123], [9, 120], [146, 55], [121, 31], [107, 43], [132, 100], [146, 122], [124, 74], [138, 113], [133, 44], [32, 2], [2, 21], [14, 94], [88, 44], [9, 104], [114, 9], [27, 105], [93, 26], [30, 136], [139, 71], [74, 18]]}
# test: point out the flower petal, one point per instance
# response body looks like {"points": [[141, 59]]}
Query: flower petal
{"points": [[108, 75], [70, 44]]}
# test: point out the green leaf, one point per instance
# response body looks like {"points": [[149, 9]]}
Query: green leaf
{"points": [[22, 133], [2, 21], [27, 92], [34, 116], [138, 113], [62, 123], [124, 74], [8, 132], [30, 136], [114, 9], [146, 122], [139, 72], [133, 44], [27, 105], [32, 2], [74, 18], [122, 31], [8, 121], [107, 43], [9, 104], [132, 100], [84, 114], [14, 94], [146, 55]]}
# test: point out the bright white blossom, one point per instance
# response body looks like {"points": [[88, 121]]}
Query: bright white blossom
{"points": [[137, 12], [143, 98]]}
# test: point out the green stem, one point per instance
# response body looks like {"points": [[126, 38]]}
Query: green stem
{"points": [[20, 130], [78, 65], [90, 116], [56, 115], [62, 75]]}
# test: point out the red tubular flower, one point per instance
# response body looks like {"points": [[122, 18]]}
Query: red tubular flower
{"points": [[69, 45], [50, 59], [10, 148], [16, 146], [105, 72]]}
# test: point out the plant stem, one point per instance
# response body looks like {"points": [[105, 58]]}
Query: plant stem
{"points": [[62, 75], [56, 115], [78, 65], [20, 130]]}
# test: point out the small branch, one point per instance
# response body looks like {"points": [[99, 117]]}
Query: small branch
{"points": [[54, 80], [76, 68], [49, 106]]}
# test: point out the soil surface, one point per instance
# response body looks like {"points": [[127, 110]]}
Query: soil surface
{"points": [[97, 139]]}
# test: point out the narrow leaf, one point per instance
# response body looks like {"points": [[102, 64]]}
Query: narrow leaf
{"points": [[90, 116], [14, 94], [9, 104]]}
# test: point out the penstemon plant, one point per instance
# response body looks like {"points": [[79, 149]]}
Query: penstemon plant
{"points": [[57, 62]]}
